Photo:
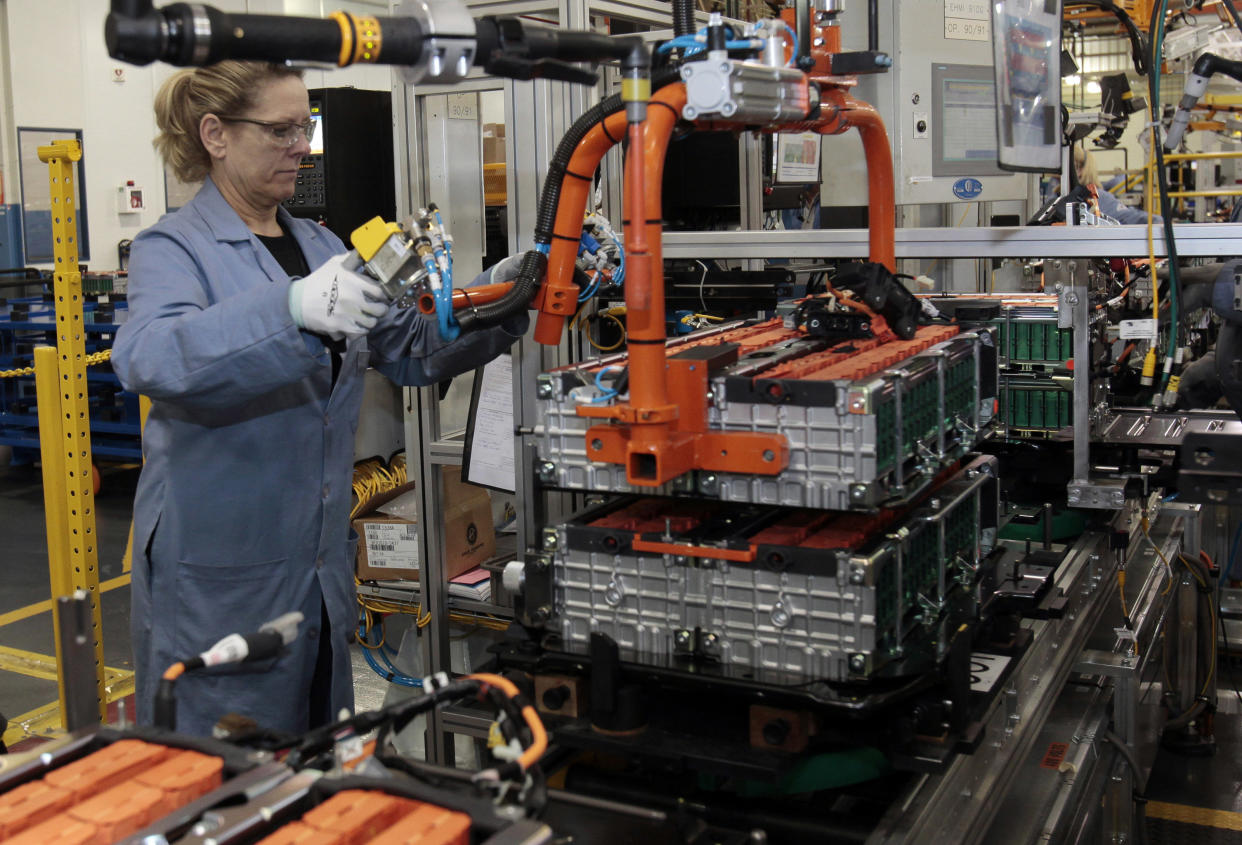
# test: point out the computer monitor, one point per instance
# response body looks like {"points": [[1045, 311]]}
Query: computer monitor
{"points": [[1026, 42], [964, 136], [316, 143]]}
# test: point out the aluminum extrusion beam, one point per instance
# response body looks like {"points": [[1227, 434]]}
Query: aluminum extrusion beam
{"points": [[1203, 239], [1143, 427]]}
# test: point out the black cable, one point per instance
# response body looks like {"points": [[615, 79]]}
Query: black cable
{"points": [[1233, 13], [683, 17], [1228, 665], [320, 739], [1138, 45], [1166, 205], [532, 269]]}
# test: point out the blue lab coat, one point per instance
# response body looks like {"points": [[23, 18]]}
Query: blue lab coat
{"points": [[242, 510]]}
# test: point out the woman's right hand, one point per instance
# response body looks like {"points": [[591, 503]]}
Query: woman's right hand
{"points": [[336, 301]]}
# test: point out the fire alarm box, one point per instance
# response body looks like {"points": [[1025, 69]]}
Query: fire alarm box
{"points": [[130, 199]]}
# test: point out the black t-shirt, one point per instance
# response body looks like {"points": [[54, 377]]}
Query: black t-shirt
{"points": [[289, 256]]}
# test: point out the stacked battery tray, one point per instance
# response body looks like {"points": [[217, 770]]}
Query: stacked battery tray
{"points": [[779, 595], [836, 569], [869, 422]]}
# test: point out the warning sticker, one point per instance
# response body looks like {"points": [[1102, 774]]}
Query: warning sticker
{"points": [[1055, 755]]}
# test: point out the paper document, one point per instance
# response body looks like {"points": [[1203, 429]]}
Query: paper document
{"points": [[490, 457]]}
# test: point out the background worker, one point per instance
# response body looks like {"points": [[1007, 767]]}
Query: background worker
{"points": [[251, 336], [1110, 206]]}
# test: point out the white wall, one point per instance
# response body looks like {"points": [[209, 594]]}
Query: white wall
{"points": [[57, 73]]}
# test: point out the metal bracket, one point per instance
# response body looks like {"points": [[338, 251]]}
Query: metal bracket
{"points": [[1106, 493]]}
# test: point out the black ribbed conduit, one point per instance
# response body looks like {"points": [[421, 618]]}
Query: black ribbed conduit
{"points": [[683, 17], [532, 269]]}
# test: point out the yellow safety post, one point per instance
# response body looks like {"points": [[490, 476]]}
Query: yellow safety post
{"points": [[69, 496]]}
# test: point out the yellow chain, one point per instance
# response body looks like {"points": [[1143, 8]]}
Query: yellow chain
{"points": [[91, 360]]}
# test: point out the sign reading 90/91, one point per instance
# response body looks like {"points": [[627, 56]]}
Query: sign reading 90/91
{"points": [[967, 20]]}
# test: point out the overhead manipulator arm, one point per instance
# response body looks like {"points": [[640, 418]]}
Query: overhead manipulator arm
{"points": [[1206, 66], [431, 40]]}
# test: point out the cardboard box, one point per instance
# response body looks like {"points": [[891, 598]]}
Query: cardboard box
{"points": [[493, 143], [493, 150], [388, 546]]}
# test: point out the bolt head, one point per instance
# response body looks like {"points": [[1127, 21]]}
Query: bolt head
{"points": [[858, 492], [544, 390], [597, 444], [858, 663], [857, 575], [769, 455]]}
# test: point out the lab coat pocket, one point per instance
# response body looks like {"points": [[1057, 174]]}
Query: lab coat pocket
{"points": [[215, 600]]}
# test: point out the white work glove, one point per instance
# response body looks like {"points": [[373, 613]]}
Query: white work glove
{"points": [[505, 270], [336, 301]]}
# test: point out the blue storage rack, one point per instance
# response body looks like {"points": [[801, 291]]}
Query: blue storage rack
{"points": [[27, 322]]}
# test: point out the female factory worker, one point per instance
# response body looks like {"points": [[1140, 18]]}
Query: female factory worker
{"points": [[1110, 206], [251, 337]]}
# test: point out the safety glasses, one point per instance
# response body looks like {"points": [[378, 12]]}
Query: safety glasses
{"points": [[282, 134]]}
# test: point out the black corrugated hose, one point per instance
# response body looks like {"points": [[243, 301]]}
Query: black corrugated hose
{"points": [[683, 17], [534, 263]]}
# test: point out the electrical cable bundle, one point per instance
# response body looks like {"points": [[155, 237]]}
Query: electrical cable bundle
{"points": [[372, 478], [535, 262], [1138, 46], [1168, 382], [614, 314], [601, 254], [523, 733], [1201, 572]]}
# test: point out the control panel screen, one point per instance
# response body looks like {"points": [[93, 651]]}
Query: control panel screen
{"points": [[964, 121], [316, 143]]}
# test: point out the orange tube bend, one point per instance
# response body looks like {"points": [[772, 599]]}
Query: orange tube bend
{"points": [[467, 297], [644, 282], [882, 215]]}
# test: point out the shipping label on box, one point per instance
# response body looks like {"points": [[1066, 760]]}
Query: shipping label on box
{"points": [[391, 545], [388, 548]]}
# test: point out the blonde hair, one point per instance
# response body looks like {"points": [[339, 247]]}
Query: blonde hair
{"points": [[225, 88], [1084, 164]]}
